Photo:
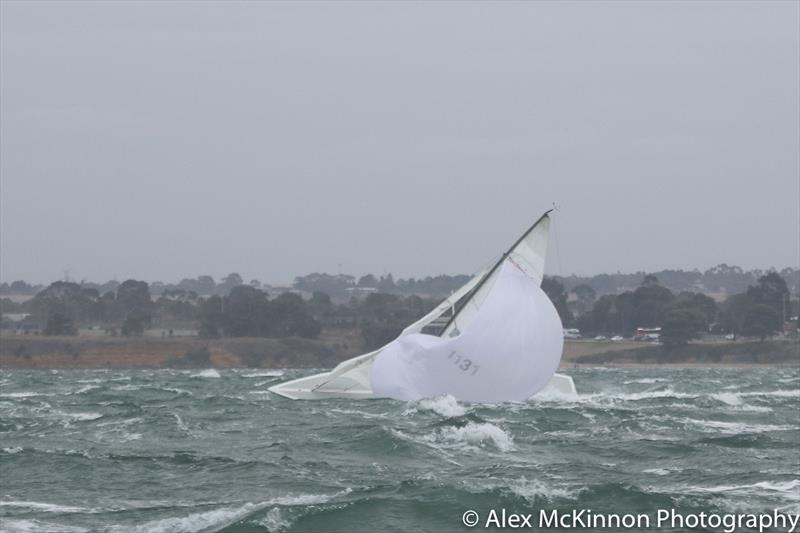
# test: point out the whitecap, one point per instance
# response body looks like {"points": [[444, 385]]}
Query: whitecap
{"points": [[207, 373], [445, 405], [645, 381], [474, 433], [23, 394], [734, 428], [780, 393], [533, 489], [218, 519], [37, 526], [730, 398], [12, 450], [656, 471], [46, 507], [269, 374], [80, 417], [787, 489], [213, 520]]}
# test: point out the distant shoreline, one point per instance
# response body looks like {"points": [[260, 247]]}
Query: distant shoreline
{"points": [[18, 351]]}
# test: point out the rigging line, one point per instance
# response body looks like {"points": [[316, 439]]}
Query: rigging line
{"points": [[558, 252]]}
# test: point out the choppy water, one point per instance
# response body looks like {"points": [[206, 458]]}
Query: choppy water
{"points": [[122, 450]]}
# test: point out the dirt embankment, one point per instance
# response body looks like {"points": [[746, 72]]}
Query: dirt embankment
{"points": [[115, 352], [17, 351]]}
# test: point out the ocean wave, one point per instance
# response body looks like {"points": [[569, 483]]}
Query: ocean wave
{"points": [[207, 373], [212, 520], [732, 428], [217, 519], [445, 405], [43, 507], [268, 374], [37, 526], [23, 394], [656, 471], [478, 433], [87, 388], [646, 381], [11, 450], [788, 490], [78, 417], [533, 490]]}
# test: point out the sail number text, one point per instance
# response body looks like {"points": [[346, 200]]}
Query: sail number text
{"points": [[464, 364]]}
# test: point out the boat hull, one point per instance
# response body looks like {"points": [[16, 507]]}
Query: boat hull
{"points": [[313, 388]]}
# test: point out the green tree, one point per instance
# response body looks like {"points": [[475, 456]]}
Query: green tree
{"points": [[59, 323], [761, 321], [650, 302], [367, 281], [586, 296], [135, 323], [210, 317], [681, 325], [246, 313], [733, 312], [133, 297], [772, 291], [229, 282], [79, 303], [701, 303]]}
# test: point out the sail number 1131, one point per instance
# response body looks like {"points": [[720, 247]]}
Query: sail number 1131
{"points": [[464, 364]]}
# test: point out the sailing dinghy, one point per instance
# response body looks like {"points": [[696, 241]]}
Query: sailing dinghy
{"points": [[498, 338]]}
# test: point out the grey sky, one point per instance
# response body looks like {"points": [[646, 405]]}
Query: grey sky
{"points": [[161, 141]]}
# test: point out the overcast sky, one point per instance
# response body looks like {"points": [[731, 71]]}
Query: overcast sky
{"points": [[160, 141]]}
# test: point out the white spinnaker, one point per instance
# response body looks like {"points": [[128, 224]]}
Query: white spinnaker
{"points": [[509, 351], [351, 378]]}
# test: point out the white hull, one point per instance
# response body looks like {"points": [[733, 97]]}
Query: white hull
{"points": [[313, 388]]}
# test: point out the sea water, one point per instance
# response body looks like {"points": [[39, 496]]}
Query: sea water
{"points": [[212, 450]]}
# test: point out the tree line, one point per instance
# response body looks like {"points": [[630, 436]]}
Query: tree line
{"points": [[248, 311], [759, 311], [722, 278]]}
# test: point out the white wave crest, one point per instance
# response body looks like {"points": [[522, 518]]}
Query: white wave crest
{"points": [[23, 394], [442, 405], [206, 521], [46, 507], [12, 450], [730, 398], [36, 526], [533, 489], [473, 433], [734, 428], [207, 373], [268, 374], [788, 490], [218, 519]]}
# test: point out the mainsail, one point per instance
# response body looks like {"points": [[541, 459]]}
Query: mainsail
{"points": [[497, 338]]}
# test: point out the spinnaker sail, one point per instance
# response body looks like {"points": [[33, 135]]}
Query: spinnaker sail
{"points": [[498, 338]]}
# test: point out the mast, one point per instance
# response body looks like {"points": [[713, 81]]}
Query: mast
{"points": [[491, 271]]}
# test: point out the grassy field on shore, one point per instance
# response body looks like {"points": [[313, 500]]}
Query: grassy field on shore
{"points": [[18, 351]]}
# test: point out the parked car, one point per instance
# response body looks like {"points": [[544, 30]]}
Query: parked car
{"points": [[617, 338], [600, 338]]}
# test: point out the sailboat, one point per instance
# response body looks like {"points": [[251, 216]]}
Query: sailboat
{"points": [[497, 338]]}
